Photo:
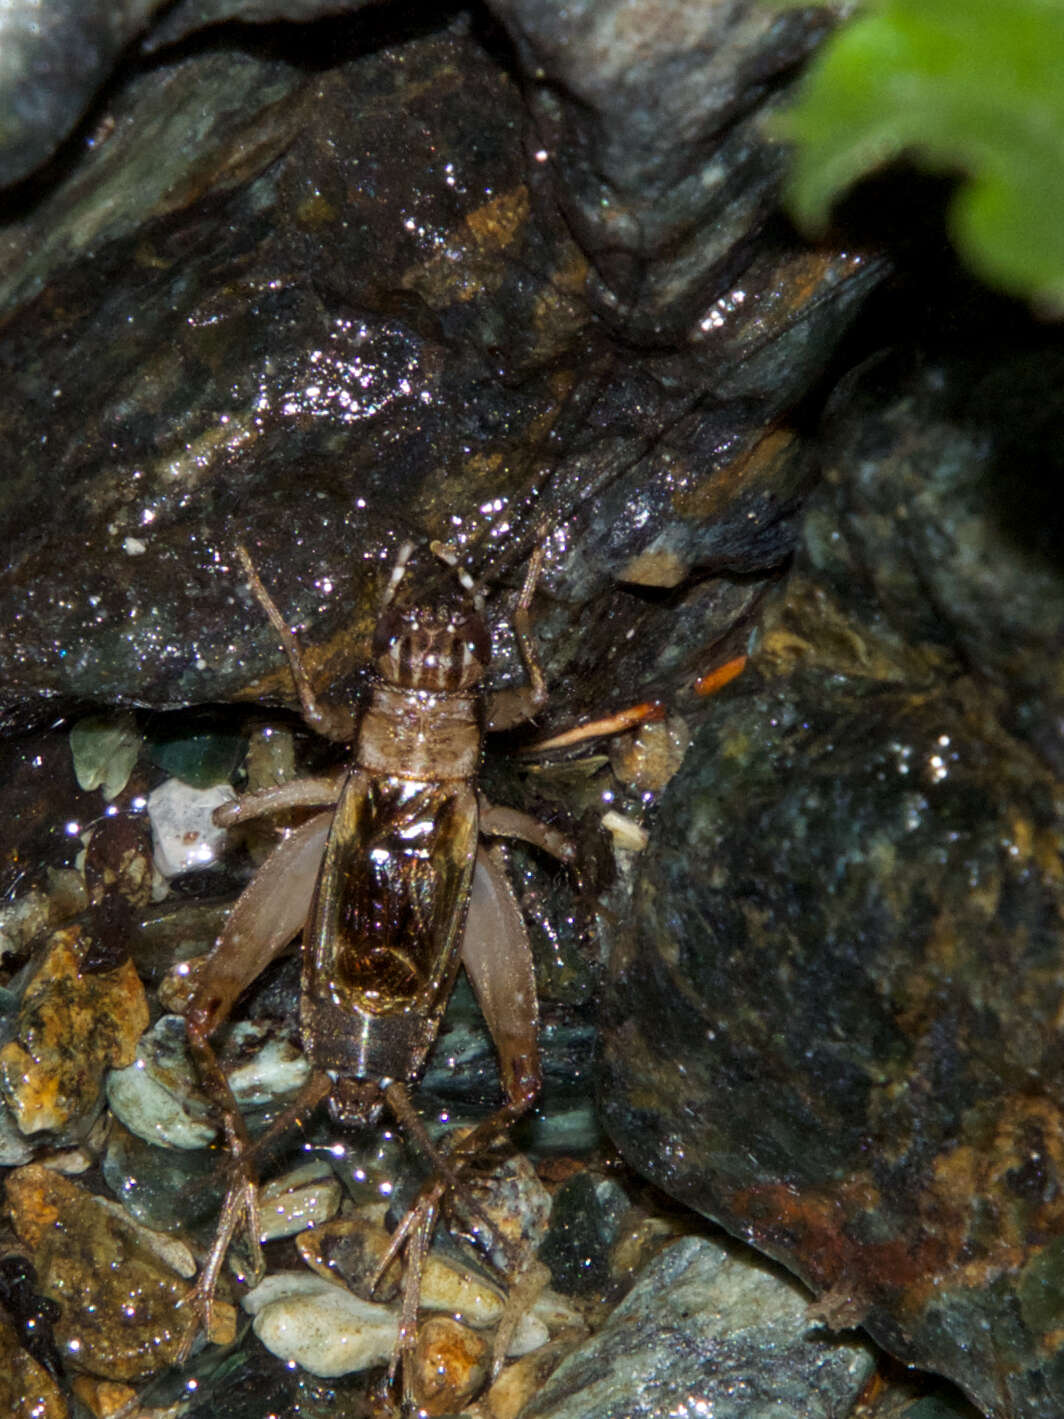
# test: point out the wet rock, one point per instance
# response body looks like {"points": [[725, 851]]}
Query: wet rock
{"points": [[270, 758], [946, 491], [15, 1147], [32, 1315], [40, 833], [201, 758], [54, 57], [104, 1399], [834, 1015], [576, 1248], [120, 877], [450, 1365], [72, 1026], [159, 1097], [32, 913], [243, 1386], [104, 749], [117, 1296], [184, 832], [654, 193], [307, 1196], [650, 757], [321, 1325], [168, 1188], [353, 1248], [706, 1330], [27, 1390], [517, 1207], [174, 931], [464, 1064], [284, 292], [518, 1382]]}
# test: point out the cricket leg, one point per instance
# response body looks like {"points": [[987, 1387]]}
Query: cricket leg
{"points": [[269, 913], [516, 705], [330, 721], [281, 798], [496, 822], [498, 958]]}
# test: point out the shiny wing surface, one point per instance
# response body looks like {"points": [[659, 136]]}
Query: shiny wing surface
{"points": [[386, 929]]}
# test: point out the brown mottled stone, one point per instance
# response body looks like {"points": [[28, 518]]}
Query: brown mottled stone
{"points": [[71, 1028], [27, 1390], [104, 1398], [450, 1364], [118, 1297]]}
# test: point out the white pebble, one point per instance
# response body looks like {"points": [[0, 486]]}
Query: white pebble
{"points": [[182, 830], [305, 1197], [307, 1320]]}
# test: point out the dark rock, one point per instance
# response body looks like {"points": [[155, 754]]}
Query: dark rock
{"points": [[33, 1314], [665, 198], [27, 1390], [576, 1248], [705, 1330], [317, 308], [834, 1018], [53, 58]]}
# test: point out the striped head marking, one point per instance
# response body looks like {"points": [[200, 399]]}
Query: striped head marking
{"points": [[442, 648]]}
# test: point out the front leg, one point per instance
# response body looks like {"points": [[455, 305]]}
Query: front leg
{"points": [[281, 798], [330, 721]]}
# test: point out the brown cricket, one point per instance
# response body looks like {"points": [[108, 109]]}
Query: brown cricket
{"points": [[393, 886]]}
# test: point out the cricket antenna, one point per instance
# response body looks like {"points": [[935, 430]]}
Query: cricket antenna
{"points": [[449, 556]]}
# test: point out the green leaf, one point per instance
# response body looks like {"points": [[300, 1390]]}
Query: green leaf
{"points": [[970, 86]]}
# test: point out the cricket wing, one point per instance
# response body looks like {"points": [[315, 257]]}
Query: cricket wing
{"points": [[384, 936], [498, 960], [270, 912]]}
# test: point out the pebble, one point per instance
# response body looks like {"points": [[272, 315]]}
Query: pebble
{"points": [[71, 1028], [104, 749], [158, 1096], [117, 1291], [27, 1390], [15, 1149], [353, 1248], [516, 1204], [172, 1189], [321, 1326], [63, 896], [707, 1329], [450, 1365], [183, 831], [518, 1382], [649, 758], [106, 1399], [307, 1196], [199, 760]]}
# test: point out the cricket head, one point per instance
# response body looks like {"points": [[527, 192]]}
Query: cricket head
{"points": [[443, 647]]}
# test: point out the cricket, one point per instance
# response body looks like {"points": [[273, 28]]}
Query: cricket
{"points": [[394, 884]]}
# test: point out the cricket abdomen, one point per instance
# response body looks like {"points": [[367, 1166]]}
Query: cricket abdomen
{"points": [[385, 933]]}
